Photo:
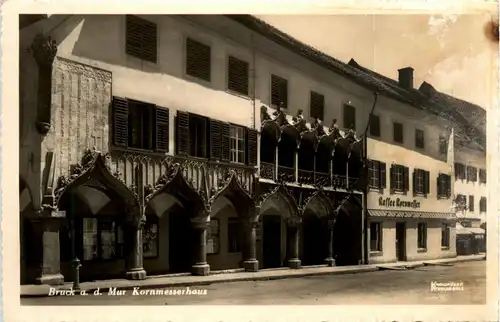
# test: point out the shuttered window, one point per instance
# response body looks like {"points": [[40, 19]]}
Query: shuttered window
{"points": [[279, 91], [443, 145], [141, 38], [443, 186], [140, 125], [202, 137], [317, 107], [377, 174], [459, 171], [419, 139], [349, 113], [198, 60], [471, 203], [482, 175], [398, 132], [237, 75], [421, 182], [399, 178], [375, 125], [471, 174], [482, 204]]}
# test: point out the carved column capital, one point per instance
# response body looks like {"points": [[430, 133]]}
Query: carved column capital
{"points": [[199, 223], [44, 50], [294, 221]]}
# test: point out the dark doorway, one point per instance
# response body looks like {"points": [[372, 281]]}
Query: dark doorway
{"points": [[271, 246], [314, 241], [347, 238], [401, 241], [180, 245]]}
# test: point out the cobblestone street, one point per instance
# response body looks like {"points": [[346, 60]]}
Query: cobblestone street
{"points": [[381, 287]]}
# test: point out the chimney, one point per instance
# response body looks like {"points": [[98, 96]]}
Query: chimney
{"points": [[406, 77]]}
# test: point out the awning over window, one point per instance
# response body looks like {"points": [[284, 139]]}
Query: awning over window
{"points": [[469, 230], [410, 214]]}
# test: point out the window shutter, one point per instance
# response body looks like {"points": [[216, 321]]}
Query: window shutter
{"points": [[182, 133], [448, 186], [317, 105], [414, 181], [198, 59], [427, 188], [393, 178], [215, 139], [120, 121], [225, 141], [383, 176], [162, 122], [406, 178], [237, 75], [439, 185], [279, 91], [141, 38], [251, 145]]}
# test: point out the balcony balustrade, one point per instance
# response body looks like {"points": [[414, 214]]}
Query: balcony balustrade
{"points": [[270, 171]]}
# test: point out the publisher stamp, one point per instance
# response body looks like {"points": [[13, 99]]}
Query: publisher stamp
{"points": [[447, 286]]}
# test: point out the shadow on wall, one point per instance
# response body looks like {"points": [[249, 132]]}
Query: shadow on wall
{"points": [[102, 38]]}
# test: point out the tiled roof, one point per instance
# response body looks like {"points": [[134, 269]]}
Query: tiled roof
{"points": [[410, 214], [360, 75], [474, 117], [458, 112]]}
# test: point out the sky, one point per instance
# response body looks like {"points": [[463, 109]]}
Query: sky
{"points": [[452, 52]]}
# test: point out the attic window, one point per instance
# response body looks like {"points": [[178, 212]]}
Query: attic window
{"points": [[141, 38]]}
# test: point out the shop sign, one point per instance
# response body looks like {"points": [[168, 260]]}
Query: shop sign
{"points": [[390, 202]]}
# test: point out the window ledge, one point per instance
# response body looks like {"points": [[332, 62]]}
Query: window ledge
{"points": [[422, 250], [399, 192], [375, 189], [445, 248], [376, 253], [234, 93]]}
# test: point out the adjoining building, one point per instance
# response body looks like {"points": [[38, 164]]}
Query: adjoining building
{"points": [[410, 151], [470, 184]]}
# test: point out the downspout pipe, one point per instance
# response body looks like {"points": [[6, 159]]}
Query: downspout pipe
{"points": [[364, 222]]}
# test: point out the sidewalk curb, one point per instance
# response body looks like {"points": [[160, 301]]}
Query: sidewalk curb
{"points": [[217, 281], [173, 283]]}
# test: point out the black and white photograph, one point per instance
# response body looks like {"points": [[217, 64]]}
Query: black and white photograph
{"points": [[255, 159]]}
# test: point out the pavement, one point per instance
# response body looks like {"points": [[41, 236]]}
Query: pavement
{"points": [[170, 281], [382, 287]]}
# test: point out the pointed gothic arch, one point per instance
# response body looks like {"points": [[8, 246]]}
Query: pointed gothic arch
{"points": [[233, 190], [174, 183], [94, 168], [282, 194]]}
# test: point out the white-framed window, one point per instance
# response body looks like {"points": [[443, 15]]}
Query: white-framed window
{"points": [[237, 135], [419, 181], [399, 178]]}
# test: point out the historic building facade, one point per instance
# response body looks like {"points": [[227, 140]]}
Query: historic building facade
{"points": [[172, 144], [162, 146], [410, 175]]}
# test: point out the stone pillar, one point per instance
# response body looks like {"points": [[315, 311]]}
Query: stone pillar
{"points": [[293, 243], [250, 263], [47, 234], [329, 260], [44, 51], [135, 269], [200, 266]]}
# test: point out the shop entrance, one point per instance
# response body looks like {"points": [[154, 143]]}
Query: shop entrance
{"points": [[401, 241]]}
